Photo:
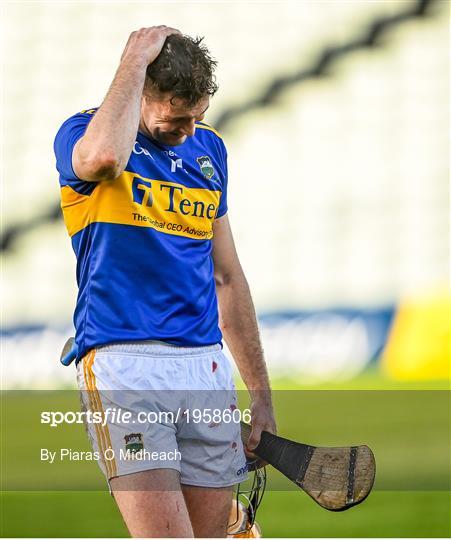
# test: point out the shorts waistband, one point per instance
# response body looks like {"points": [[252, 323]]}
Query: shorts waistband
{"points": [[159, 348]]}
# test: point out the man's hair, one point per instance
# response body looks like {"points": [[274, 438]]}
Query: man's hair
{"points": [[184, 69]]}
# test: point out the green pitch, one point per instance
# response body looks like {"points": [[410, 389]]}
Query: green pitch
{"points": [[285, 514], [408, 432]]}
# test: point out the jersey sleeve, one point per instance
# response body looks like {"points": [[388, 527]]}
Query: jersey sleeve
{"points": [[66, 138], [222, 208]]}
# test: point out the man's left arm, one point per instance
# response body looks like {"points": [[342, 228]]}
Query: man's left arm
{"points": [[238, 324]]}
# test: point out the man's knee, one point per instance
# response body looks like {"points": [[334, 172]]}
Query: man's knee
{"points": [[209, 510], [152, 504]]}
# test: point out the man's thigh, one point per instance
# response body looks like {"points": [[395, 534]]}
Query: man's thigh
{"points": [[152, 504], [209, 510]]}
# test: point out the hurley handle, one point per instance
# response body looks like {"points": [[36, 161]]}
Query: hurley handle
{"points": [[288, 457]]}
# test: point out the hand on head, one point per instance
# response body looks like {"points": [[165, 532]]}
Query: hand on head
{"points": [[146, 44]]}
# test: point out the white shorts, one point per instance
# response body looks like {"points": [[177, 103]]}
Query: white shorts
{"points": [[156, 406]]}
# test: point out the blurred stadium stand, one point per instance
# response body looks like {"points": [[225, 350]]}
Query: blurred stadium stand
{"points": [[335, 115]]}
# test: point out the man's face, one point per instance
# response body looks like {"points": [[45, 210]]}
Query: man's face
{"points": [[171, 123]]}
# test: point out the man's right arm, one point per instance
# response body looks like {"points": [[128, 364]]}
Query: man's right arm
{"points": [[103, 151]]}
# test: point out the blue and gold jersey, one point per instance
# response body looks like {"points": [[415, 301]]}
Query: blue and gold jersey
{"points": [[143, 241]]}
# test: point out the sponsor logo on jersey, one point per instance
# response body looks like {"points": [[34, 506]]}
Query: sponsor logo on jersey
{"points": [[168, 207], [173, 198]]}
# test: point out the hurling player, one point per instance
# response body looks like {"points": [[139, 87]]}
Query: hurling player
{"points": [[144, 195]]}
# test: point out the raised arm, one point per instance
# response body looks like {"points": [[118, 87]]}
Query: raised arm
{"points": [[238, 324], [104, 150]]}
